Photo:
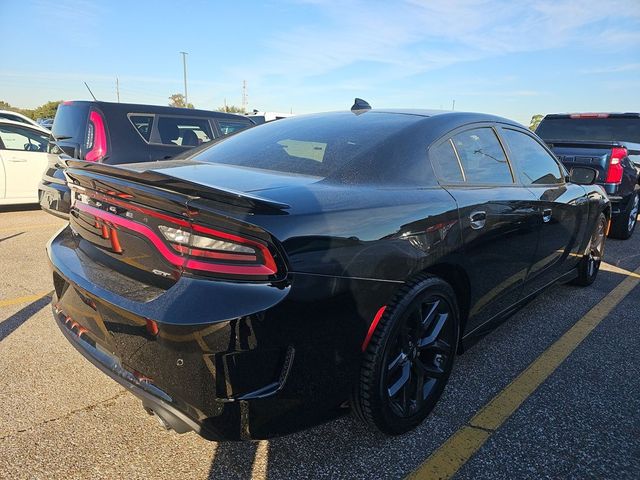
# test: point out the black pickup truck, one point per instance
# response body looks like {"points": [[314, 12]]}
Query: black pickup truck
{"points": [[609, 143]]}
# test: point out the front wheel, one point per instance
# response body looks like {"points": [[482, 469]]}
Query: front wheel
{"points": [[590, 264], [409, 358]]}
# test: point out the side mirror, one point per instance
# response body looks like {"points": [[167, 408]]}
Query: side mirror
{"points": [[583, 175]]}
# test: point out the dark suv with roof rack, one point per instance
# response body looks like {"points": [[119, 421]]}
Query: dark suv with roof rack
{"points": [[115, 133]]}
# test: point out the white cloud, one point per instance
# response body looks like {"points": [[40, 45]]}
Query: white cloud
{"points": [[416, 36]]}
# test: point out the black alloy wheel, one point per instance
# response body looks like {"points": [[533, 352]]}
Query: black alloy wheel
{"points": [[409, 359], [590, 264]]}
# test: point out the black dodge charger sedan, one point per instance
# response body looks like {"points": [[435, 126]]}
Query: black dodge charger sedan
{"points": [[277, 278]]}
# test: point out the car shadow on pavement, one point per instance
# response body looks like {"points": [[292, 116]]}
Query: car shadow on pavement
{"points": [[323, 451], [9, 325], [19, 208], [11, 236]]}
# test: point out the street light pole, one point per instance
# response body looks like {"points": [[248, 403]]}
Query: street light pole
{"points": [[184, 67]]}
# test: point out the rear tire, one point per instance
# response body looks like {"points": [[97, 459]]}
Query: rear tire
{"points": [[623, 225], [590, 264], [409, 358]]}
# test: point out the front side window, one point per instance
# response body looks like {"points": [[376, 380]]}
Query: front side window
{"points": [[535, 164], [143, 125], [229, 126], [18, 138], [184, 131], [482, 157]]}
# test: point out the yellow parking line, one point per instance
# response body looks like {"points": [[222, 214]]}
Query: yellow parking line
{"points": [[32, 227], [607, 267], [458, 449], [26, 299]]}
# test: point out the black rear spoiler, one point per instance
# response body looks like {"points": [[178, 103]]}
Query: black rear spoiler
{"points": [[163, 181]]}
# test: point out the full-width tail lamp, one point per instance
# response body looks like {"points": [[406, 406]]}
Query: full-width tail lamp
{"points": [[194, 247]]}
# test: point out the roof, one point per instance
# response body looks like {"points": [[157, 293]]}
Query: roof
{"points": [[155, 109]]}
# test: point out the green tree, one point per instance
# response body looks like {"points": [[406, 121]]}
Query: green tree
{"points": [[231, 109], [535, 121], [46, 110], [177, 100]]}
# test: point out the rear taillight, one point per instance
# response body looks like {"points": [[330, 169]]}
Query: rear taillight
{"points": [[215, 251], [96, 140], [193, 247], [615, 170]]}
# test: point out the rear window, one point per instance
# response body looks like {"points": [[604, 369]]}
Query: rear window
{"points": [[70, 121], [605, 129], [344, 147], [184, 131]]}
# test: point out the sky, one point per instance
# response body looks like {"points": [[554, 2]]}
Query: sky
{"points": [[512, 58]]}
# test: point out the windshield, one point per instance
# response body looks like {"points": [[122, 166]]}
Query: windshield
{"points": [[341, 146], [605, 129]]}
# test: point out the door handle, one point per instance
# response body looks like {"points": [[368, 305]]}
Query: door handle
{"points": [[478, 219], [17, 160], [546, 215]]}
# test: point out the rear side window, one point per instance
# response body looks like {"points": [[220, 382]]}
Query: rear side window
{"points": [[445, 163], [143, 125], [229, 126], [184, 131], [482, 157], [535, 164]]}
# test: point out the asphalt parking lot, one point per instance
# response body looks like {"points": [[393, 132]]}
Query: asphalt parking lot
{"points": [[61, 418]]}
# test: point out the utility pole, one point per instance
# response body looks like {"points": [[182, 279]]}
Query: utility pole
{"points": [[453, 107], [118, 89], [244, 96], [184, 68], [225, 105]]}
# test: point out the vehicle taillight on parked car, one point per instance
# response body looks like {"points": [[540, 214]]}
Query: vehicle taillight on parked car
{"points": [[615, 170], [96, 140]]}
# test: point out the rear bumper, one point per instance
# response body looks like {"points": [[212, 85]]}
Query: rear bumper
{"points": [[153, 398], [230, 361], [54, 198]]}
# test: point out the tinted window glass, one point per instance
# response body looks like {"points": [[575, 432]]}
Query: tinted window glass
{"points": [[535, 164], [370, 148], [227, 126], [70, 121], [606, 129], [15, 118], [482, 157], [143, 124], [446, 163], [184, 131], [18, 138]]}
